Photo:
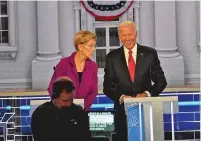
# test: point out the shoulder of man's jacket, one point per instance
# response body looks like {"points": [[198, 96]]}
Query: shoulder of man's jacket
{"points": [[42, 108], [77, 107], [114, 52], [147, 49]]}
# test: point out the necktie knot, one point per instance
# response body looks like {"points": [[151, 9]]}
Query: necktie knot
{"points": [[130, 52]]}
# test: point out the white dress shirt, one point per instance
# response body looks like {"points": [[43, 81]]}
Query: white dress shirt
{"points": [[134, 53]]}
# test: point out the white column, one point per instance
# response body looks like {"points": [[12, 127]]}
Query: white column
{"points": [[90, 27], [130, 13], [90, 22], [188, 38], [48, 39], [200, 24], [77, 15], [147, 27], [48, 53], [124, 17], [165, 37], [67, 27], [83, 18], [137, 17]]}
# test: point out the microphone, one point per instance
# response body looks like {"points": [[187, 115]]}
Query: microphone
{"points": [[150, 70], [54, 68], [150, 73]]}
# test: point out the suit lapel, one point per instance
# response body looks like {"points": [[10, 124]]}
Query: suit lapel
{"points": [[124, 67], [140, 56]]}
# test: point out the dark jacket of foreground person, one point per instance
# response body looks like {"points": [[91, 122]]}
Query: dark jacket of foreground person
{"points": [[50, 123]]}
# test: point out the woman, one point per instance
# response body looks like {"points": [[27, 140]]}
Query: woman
{"points": [[80, 68]]}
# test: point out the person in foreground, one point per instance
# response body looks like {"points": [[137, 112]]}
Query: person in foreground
{"points": [[60, 119], [80, 68], [129, 72]]}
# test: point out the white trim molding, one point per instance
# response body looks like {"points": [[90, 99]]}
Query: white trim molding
{"points": [[192, 78], [15, 83], [9, 51]]}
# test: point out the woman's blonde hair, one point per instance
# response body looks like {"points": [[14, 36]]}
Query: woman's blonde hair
{"points": [[82, 37]]}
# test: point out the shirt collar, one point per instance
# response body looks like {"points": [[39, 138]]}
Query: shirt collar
{"points": [[134, 50]]}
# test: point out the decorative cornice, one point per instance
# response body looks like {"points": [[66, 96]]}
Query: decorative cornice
{"points": [[137, 4], [76, 5], [167, 52]]}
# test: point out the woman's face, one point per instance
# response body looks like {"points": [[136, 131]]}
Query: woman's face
{"points": [[88, 48]]}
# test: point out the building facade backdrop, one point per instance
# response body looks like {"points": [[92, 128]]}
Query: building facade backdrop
{"points": [[36, 35]]}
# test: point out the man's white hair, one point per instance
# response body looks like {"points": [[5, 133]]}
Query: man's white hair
{"points": [[127, 22]]}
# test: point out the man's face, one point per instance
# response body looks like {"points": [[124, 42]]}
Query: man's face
{"points": [[128, 35], [65, 100]]}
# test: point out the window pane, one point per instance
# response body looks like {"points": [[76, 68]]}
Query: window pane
{"points": [[100, 57], [4, 36], [114, 38], [4, 23], [112, 49], [5, 2], [133, 15], [101, 37], [3, 9]]}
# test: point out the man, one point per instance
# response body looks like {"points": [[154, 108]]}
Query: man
{"points": [[60, 119], [129, 71]]}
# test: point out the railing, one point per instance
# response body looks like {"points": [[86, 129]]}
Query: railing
{"points": [[15, 114]]}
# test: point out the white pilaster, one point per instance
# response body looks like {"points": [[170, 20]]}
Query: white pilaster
{"points": [[67, 27], [77, 15], [137, 17], [90, 22], [48, 39], [147, 27], [48, 44], [90, 27], [83, 18], [165, 37], [188, 38], [130, 13], [200, 24]]}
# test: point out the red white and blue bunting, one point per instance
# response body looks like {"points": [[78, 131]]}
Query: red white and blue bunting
{"points": [[106, 10]]}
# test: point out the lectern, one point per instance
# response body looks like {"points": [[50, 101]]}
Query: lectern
{"points": [[145, 117]]}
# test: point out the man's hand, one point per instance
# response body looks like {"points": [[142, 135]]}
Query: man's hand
{"points": [[125, 96], [141, 95]]}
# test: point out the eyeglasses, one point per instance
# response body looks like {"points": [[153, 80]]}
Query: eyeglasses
{"points": [[90, 46]]}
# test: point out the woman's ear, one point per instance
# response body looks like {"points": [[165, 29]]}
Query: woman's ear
{"points": [[79, 47]]}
